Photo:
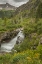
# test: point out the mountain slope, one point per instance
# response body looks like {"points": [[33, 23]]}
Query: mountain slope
{"points": [[39, 11], [29, 9]]}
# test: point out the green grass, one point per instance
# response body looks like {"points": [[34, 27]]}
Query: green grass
{"points": [[25, 57]]}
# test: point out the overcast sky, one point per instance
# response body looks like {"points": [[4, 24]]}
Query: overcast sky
{"points": [[14, 2]]}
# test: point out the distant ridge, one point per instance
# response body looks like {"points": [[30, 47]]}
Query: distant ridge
{"points": [[7, 6]]}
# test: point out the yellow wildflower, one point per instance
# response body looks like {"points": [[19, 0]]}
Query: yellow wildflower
{"points": [[29, 59], [36, 55], [2, 63], [39, 61]]}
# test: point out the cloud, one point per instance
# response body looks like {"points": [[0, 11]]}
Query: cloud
{"points": [[2, 1], [20, 0], [16, 3]]}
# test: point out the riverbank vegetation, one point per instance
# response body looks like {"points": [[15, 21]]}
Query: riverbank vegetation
{"points": [[30, 50]]}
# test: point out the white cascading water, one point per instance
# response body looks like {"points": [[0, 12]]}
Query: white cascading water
{"points": [[7, 47]]}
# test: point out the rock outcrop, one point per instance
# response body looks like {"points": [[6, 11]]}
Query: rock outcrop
{"points": [[7, 36]]}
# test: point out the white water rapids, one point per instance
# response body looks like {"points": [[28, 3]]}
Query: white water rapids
{"points": [[7, 47]]}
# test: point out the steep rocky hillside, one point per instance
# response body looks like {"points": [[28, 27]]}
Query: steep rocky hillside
{"points": [[29, 9]]}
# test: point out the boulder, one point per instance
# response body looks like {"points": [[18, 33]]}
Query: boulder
{"points": [[19, 39], [7, 36]]}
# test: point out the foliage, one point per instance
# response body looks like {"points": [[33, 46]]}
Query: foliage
{"points": [[25, 57], [6, 13]]}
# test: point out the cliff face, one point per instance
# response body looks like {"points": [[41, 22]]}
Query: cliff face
{"points": [[7, 7]]}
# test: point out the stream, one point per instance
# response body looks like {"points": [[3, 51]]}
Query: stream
{"points": [[7, 47]]}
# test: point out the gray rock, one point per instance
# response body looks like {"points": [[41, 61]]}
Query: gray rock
{"points": [[19, 39]]}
